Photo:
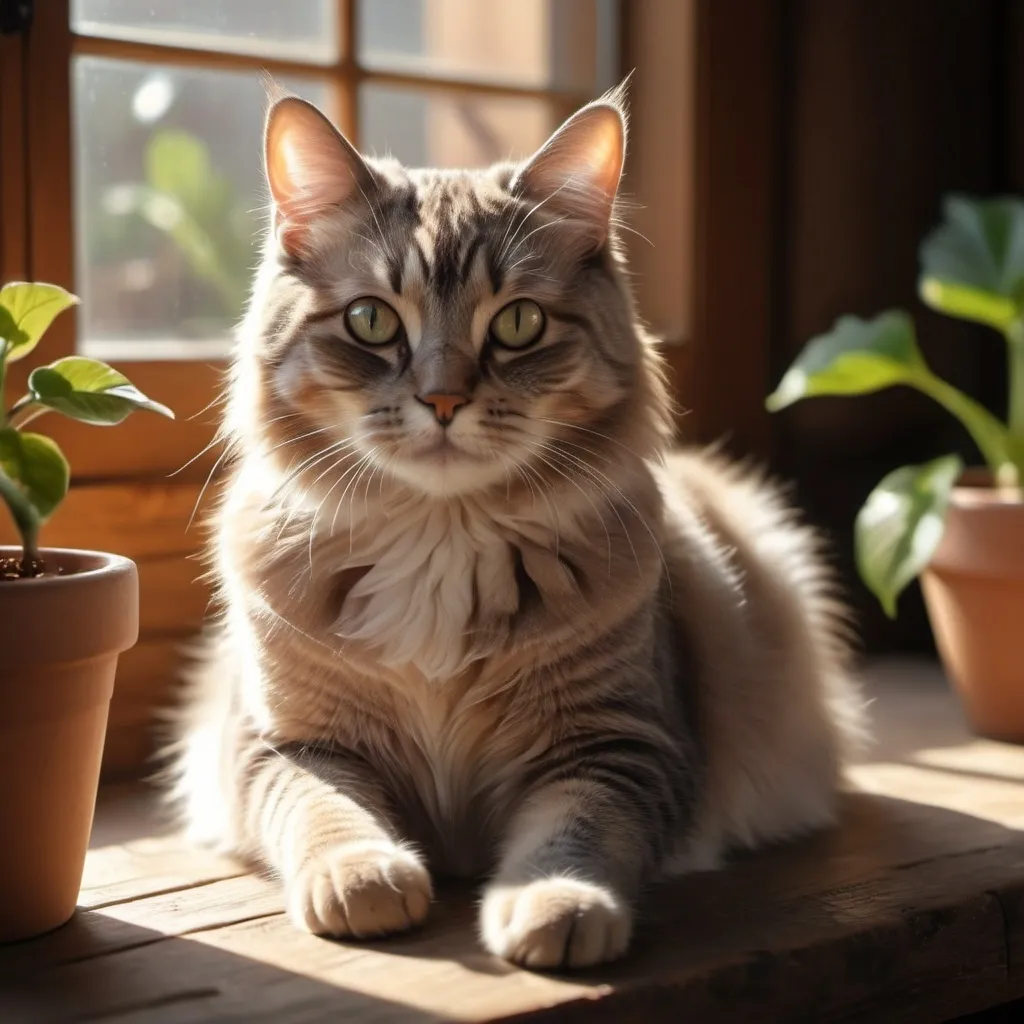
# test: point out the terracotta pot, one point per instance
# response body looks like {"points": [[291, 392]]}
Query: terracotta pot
{"points": [[974, 590], [59, 641]]}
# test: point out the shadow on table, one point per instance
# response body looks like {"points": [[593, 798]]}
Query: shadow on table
{"points": [[903, 913]]}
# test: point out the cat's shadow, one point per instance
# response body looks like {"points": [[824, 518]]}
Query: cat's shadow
{"points": [[882, 865], [759, 932]]}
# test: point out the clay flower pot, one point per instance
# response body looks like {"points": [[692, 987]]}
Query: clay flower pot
{"points": [[974, 590], [60, 636]]}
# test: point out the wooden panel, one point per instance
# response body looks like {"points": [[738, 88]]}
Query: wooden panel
{"points": [[148, 678], [172, 597], [891, 104], [13, 222], [736, 181], [137, 520], [659, 50]]}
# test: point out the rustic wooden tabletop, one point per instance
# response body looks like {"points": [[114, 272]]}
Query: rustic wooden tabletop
{"points": [[912, 911]]}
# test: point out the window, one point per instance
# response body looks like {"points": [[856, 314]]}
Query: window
{"points": [[130, 134], [142, 124]]}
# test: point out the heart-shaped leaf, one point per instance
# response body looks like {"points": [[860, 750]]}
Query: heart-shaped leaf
{"points": [[979, 245], [26, 311], [37, 466], [901, 524], [856, 357], [90, 391]]}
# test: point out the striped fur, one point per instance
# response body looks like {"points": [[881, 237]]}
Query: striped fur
{"points": [[534, 648]]}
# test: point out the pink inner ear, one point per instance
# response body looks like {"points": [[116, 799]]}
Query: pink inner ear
{"points": [[577, 171], [310, 167]]}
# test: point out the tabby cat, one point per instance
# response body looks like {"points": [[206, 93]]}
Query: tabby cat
{"points": [[478, 620]]}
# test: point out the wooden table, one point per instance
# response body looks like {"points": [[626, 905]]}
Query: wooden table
{"points": [[912, 911]]}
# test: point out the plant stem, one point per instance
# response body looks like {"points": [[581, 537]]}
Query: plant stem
{"points": [[988, 433], [34, 414], [25, 518], [1015, 368]]}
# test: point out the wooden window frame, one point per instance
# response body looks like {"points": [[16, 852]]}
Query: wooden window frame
{"points": [[42, 248]]}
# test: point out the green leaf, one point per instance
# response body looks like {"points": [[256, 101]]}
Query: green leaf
{"points": [[967, 303], [178, 164], [901, 524], [854, 358], [979, 245], [37, 466], [90, 391], [26, 311]]}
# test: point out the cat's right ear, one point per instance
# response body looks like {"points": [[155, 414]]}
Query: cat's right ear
{"points": [[311, 168]]}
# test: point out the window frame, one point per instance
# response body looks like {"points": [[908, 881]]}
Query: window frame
{"points": [[39, 244]]}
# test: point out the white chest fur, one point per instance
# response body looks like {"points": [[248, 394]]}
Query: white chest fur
{"points": [[440, 572]]}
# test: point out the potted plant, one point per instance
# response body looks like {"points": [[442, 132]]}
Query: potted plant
{"points": [[65, 616], [962, 529]]}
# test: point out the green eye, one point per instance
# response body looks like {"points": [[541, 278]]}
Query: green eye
{"points": [[372, 322], [519, 324]]}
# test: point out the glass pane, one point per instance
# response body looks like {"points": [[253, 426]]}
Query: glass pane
{"points": [[447, 129], [556, 44], [168, 204], [303, 30]]}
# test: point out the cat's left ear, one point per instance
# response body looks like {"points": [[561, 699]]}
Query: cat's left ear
{"points": [[576, 172]]}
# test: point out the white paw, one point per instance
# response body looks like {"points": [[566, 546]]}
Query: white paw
{"points": [[555, 922], [360, 890]]}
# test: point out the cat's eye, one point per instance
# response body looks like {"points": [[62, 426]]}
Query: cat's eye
{"points": [[519, 324], [372, 321]]}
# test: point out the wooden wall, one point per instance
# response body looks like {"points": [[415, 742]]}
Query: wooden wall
{"points": [[145, 521], [880, 107]]}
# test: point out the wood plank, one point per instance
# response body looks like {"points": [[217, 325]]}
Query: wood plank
{"points": [[127, 924], [737, 151], [931, 936], [13, 221], [173, 598], [139, 520], [148, 677], [911, 911]]}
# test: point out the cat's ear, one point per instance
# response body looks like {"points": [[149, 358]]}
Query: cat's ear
{"points": [[576, 172], [311, 167]]}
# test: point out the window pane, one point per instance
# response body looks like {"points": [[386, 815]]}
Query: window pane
{"points": [[168, 198], [442, 129], [303, 30], [557, 44]]}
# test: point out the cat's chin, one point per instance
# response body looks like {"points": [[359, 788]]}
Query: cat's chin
{"points": [[444, 470]]}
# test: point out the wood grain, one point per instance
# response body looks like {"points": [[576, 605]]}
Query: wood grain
{"points": [[911, 911], [140, 520]]}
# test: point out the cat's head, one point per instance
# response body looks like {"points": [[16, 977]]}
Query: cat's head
{"points": [[455, 329]]}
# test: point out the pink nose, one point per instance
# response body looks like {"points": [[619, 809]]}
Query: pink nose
{"points": [[445, 406]]}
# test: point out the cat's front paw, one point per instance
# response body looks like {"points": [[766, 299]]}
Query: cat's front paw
{"points": [[360, 890], [555, 922]]}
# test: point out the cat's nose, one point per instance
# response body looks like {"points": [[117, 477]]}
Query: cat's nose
{"points": [[445, 406]]}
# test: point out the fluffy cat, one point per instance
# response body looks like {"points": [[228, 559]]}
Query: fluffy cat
{"points": [[477, 619]]}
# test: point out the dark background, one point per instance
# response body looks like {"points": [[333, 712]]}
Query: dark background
{"points": [[828, 132]]}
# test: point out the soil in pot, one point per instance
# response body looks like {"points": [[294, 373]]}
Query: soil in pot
{"points": [[974, 590], [60, 636]]}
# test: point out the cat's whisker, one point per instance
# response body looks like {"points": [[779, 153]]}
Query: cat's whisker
{"points": [[202, 491], [529, 235], [595, 433], [598, 476], [344, 476], [218, 438], [506, 247], [597, 513]]}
